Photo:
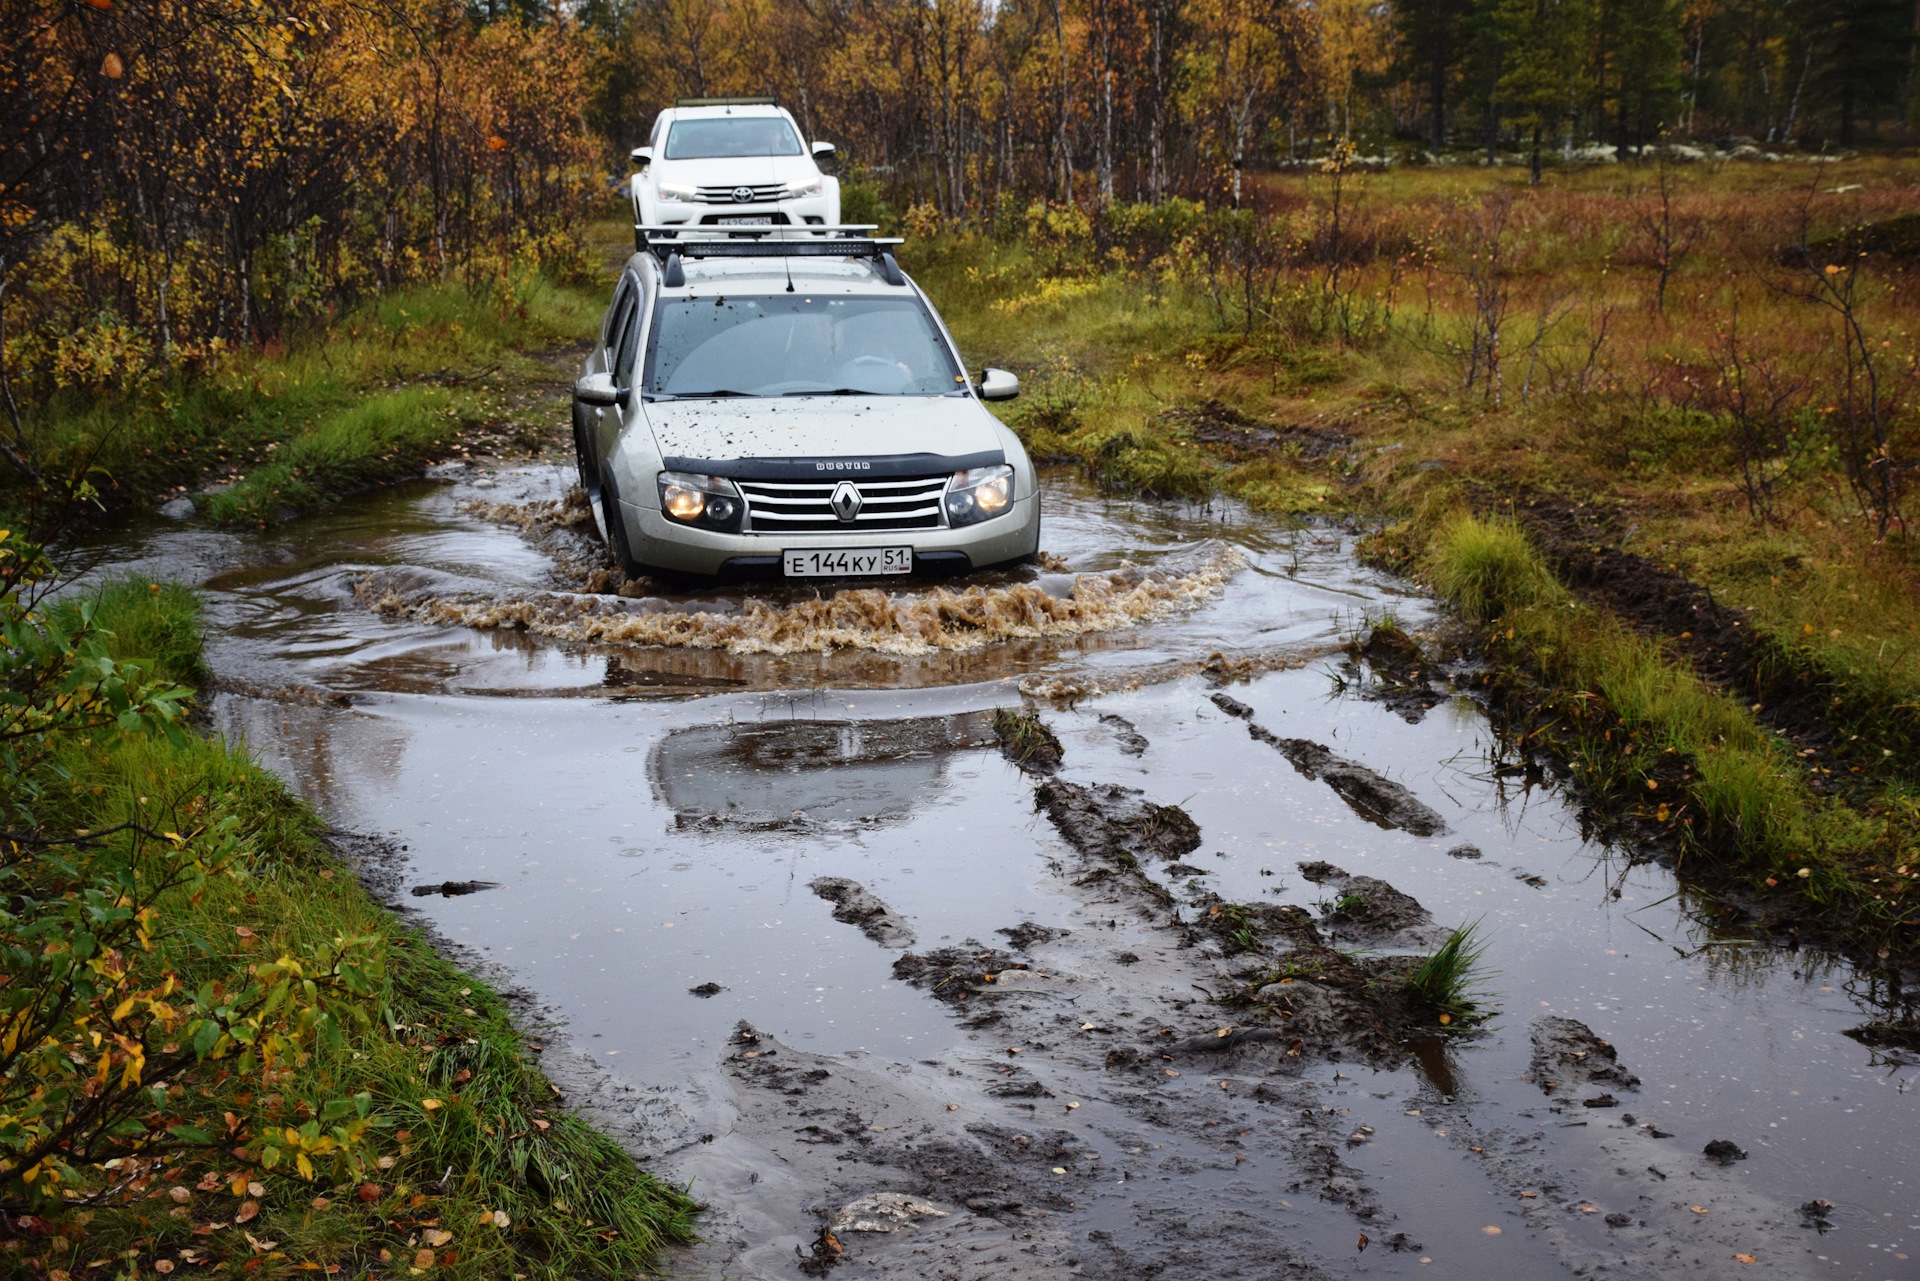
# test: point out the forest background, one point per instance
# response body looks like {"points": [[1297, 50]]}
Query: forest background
{"points": [[181, 178]]}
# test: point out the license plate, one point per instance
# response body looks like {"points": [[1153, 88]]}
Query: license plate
{"points": [[761, 221], [847, 562]]}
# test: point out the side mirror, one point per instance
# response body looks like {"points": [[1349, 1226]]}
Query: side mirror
{"points": [[600, 391], [640, 156], [821, 149], [998, 384]]}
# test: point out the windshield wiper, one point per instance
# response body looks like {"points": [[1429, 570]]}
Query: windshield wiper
{"points": [[836, 391], [714, 394]]}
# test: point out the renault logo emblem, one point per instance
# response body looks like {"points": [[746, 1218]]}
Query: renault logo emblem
{"points": [[743, 195], [846, 501]]}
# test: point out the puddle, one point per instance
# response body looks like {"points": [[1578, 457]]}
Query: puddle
{"points": [[660, 821]]}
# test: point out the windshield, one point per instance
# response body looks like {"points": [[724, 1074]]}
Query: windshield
{"points": [[731, 136], [792, 345]]}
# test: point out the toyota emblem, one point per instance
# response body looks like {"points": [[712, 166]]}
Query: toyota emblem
{"points": [[846, 501], [743, 195]]}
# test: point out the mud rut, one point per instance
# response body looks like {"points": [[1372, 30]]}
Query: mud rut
{"points": [[781, 914]]}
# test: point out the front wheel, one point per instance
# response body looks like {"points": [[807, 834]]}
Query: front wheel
{"points": [[583, 458], [617, 544]]}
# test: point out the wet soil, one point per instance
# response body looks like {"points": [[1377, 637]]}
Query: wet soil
{"points": [[1234, 434], [1132, 1036], [1719, 640], [1377, 799]]}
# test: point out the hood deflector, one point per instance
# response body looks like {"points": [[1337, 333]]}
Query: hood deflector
{"points": [[823, 468]]}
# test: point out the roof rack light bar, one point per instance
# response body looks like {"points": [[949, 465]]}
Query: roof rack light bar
{"points": [[672, 244], [726, 102]]}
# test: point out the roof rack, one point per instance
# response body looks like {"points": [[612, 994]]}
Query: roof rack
{"points": [[842, 240], [726, 102]]}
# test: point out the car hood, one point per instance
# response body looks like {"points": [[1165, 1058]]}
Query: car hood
{"points": [[861, 428], [730, 171]]}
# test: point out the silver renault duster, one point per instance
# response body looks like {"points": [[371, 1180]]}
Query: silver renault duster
{"points": [[789, 404]]}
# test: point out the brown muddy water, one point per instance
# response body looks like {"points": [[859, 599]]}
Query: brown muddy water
{"points": [[655, 785]]}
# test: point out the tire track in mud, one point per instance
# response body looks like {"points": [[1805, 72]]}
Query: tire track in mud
{"points": [[1099, 1056]]}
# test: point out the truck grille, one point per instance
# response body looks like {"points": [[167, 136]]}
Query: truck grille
{"points": [[804, 507], [763, 193]]}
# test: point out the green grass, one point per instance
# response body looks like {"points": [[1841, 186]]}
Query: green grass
{"points": [[382, 390], [1645, 733], [1448, 980], [572, 1202], [388, 435]]}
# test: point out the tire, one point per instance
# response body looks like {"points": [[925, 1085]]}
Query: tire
{"points": [[583, 458], [617, 544]]}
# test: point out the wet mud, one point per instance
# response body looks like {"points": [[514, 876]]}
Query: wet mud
{"points": [[856, 905], [1374, 797], [1144, 1012]]}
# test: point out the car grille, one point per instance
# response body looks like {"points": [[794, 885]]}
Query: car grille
{"points": [[771, 219], [763, 193], [800, 507]]}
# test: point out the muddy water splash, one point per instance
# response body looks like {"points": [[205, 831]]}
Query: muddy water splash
{"points": [[904, 623]]}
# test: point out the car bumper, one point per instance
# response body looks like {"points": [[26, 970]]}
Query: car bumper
{"points": [[817, 209], [660, 543]]}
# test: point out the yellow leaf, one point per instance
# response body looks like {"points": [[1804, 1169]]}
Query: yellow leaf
{"points": [[430, 1104]]}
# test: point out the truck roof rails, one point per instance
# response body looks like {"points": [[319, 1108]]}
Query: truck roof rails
{"points": [[726, 102], [671, 245]]}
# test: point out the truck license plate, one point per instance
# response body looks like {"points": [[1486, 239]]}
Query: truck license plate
{"points": [[761, 220], [847, 562]]}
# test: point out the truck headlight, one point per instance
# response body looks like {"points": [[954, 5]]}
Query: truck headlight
{"points": [[692, 498], [802, 187], [673, 193], [979, 493]]}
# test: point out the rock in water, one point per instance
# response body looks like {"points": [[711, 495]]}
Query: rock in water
{"points": [[883, 1212]]}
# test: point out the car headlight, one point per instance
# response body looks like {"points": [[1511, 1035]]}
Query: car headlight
{"points": [[979, 493], [691, 498], [803, 187], [673, 192]]}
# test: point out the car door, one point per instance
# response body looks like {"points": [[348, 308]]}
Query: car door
{"points": [[618, 350]]}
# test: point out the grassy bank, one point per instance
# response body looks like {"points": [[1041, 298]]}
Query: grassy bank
{"points": [[1665, 753], [403, 380], [453, 1155], [1637, 378]]}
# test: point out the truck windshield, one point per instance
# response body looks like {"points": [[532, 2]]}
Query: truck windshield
{"points": [[731, 136], [793, 345]]}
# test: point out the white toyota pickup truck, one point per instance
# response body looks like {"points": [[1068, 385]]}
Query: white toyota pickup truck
{"points": [[731, 162]]}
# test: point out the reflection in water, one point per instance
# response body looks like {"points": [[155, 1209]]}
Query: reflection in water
{"points": [[1433, 1055], [773, 775]]}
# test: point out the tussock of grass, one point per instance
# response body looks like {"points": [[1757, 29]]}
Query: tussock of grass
{"points": [[386, 436], [1487, 568], [1448, 980], [529, 1188]]}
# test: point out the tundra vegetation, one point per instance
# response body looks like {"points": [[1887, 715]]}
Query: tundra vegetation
{"points": [[1606, 305]]}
